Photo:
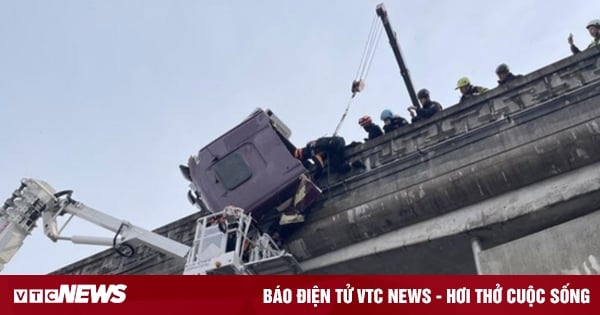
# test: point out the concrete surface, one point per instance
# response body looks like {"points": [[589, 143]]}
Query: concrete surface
{"points": [[572, 247]]}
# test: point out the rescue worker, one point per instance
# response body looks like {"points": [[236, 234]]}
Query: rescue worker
{"points": [[468, 90], [322, 150], [594, 28], [392, 122], [224, 226], [428, 107], [370, 127], [504, 74]]}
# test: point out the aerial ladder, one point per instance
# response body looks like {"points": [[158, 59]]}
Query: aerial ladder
{"points": [[225, 242]]}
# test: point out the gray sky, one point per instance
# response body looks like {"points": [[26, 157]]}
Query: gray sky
{"points": [[107, 97]]}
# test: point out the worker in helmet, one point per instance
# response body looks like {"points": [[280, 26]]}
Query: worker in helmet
{"points": [[504, 74], [428, 107], [325, 153], [594, 28], [392, 122], [467, 89], [370, 127]]}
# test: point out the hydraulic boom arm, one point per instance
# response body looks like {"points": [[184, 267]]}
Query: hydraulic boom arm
{"points": [[35, 199], [382, 13], [226, 242]]}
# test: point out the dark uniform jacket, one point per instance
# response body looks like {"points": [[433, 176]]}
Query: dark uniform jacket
{"points": [[428, 110], [473, 91], [373, 130], [509, 78], [395, 123], [332, 149]]}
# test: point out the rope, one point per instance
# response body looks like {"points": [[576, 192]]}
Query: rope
{"points": [[339, 125], [367, 47], [380, 30], [366, 60]]}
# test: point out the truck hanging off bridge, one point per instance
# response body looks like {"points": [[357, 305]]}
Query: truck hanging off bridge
{"points": [[248, 182], [247, 173], [479, 188]]}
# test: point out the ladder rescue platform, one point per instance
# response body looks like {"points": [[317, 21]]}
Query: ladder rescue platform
{"points": [[230, 242]]}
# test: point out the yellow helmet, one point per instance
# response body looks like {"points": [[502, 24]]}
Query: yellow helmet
{"points": [[464, 81]]}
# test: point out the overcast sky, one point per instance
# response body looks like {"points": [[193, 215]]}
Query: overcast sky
{"points": [[107, 97]]}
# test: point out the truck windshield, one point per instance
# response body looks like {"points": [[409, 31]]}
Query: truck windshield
{"points": [[232, 171]]}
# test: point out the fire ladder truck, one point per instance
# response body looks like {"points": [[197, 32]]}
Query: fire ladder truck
{"points": [[225, 242], [232, 169]]}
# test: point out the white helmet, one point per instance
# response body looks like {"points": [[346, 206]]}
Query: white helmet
{"points": [[595, 23]]}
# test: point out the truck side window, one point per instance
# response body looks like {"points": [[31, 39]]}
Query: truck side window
{"points": [[232, 171]]}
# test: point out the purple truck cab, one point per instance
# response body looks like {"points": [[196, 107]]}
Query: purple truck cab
{"points": [[252, 167]]}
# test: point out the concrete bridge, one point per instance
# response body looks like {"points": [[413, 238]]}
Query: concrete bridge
{"points": [[508, 182]]}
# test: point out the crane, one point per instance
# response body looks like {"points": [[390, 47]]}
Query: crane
{"points": [[382, 13], [225, 242]]}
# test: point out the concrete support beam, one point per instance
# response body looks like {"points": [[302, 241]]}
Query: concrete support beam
{"points": [[569, 248], [504, 208]]}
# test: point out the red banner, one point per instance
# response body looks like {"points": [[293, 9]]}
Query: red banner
{"points": [[288, 295]]}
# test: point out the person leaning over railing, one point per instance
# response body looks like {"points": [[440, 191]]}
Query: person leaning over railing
{"points": [[370, 127], [392, 122], [504, 74], [428, 107], [468, 90], [594, 28]]}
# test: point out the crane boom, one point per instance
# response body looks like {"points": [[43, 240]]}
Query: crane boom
{"points": [[382, 13]]}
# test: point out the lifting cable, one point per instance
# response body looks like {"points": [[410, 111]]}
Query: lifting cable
{"points": [[366, 61]]}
